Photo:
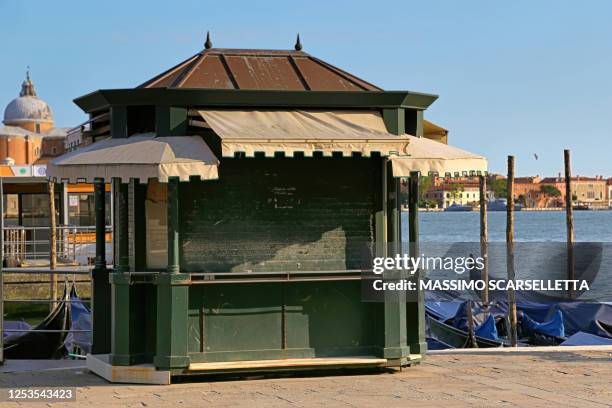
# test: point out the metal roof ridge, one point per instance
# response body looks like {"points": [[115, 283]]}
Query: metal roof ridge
{"points": [[254, 51]]}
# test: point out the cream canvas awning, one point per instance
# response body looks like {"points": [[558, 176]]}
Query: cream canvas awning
{"points": [[348, 132], [302, 131], [428, 156], [140, 157]]}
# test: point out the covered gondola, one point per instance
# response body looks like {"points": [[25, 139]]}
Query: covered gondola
{"points": [[45, 340], [457, 338]]}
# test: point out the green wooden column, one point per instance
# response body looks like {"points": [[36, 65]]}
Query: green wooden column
{"points": [[118, 121], [122, 310], [101, 291], [396, 347], [172, 296], [395, 120], [170, 121], [415, 311]]}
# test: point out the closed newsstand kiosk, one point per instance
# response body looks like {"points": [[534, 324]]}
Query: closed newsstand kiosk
{"points": [[251, 189]]}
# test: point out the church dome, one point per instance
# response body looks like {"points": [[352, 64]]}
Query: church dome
{"points": [[27, 107]]}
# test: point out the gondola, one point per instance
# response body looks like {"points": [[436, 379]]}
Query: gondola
{"points": [[457, 338], [42, 345], [589, 258]]}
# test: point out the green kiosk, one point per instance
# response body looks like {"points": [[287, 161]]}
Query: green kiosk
{"points": [[251, 190]]}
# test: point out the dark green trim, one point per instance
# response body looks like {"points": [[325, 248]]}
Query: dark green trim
{"points": [[122, 317], [171, 362], [120, 230], [170, 121], [415, 310], [172, 325], [395, 301], [123, 308], [105, 98], [118, 121], [101, 317], [99, 201], [395, 121], [173, 225], [393, 211], [140, 239], [173, 279], [101, 298]]}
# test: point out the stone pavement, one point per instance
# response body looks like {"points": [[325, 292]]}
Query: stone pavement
{"points": [[517, 379]]}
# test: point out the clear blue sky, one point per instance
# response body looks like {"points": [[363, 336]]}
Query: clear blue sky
{"points": [[519, 77]]}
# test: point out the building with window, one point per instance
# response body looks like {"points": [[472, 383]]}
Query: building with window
{"points": [[590, 191], [446, 195]]}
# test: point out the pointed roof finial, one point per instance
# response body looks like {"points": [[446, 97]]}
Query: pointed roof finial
{"points": [[27, 87], [298, 43], [208, 43]]}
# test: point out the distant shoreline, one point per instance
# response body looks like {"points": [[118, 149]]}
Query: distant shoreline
{"points": [[551, 209]]}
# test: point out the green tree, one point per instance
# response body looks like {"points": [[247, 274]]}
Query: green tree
{"points": [[425, 183], [550, 191], [499, 188]]}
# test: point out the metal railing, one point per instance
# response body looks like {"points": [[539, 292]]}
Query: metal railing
{"points": [[75, 244], [24, 247], [46, 271]]}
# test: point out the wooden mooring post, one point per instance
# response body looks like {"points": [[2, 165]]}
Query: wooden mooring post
{"points": [[471, 338], [52, 246], [484, 240], [510, 250], [1, 272], [569, 219]]}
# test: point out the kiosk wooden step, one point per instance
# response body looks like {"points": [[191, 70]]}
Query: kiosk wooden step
{"points": [[286, 364]]}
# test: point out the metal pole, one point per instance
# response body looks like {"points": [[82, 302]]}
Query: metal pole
{"points": [[484, 239], [173, 225], [569, 219], [510, 250], [65, 220], [1, 271]]}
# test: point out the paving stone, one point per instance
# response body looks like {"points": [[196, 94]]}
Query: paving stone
{"points": [[539, 379]]}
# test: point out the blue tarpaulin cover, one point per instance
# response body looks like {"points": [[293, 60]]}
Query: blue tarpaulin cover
{"points": [[587, 339], [15, 325], [552, 327], [487, 329], [443, 310]]}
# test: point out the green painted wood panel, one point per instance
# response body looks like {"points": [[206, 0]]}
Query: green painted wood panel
{"points": [[247, 319]]}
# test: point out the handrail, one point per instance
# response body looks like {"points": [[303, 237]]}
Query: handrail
{"points": [[72, 227], [264, 273], [46, 301], [46, 271], [46, 331]]}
